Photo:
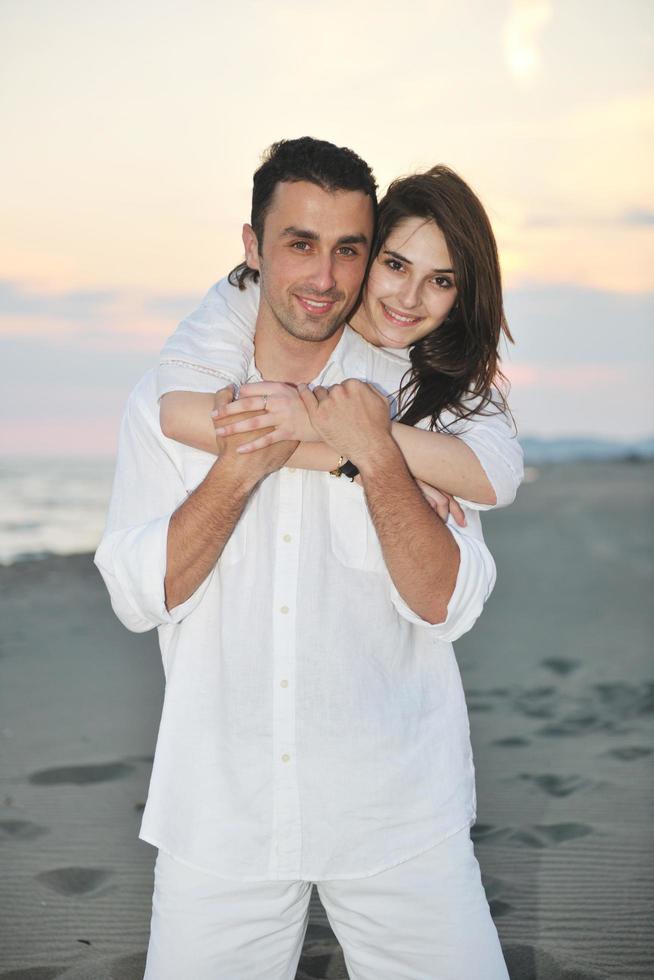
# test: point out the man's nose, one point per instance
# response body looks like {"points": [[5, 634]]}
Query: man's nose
{"points": [[323, 273]]}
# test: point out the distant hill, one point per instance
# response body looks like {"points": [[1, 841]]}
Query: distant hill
{"points": [[538, 450]]}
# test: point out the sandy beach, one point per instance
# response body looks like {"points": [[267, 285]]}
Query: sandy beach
{"points": [[560, 689]]}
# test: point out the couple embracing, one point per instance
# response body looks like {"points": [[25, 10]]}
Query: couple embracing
{"points": [[296, 509]]}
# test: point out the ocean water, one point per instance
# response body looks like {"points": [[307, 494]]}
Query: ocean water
{"points": [[52, 506], [58, 506]]}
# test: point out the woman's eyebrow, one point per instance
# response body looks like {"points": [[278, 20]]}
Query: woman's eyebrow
{"points": [[402, 258]]}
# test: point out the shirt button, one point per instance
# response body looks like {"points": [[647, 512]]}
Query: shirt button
{"points": [[286, 757], [284, 609], [283, 683], [287, 537]]}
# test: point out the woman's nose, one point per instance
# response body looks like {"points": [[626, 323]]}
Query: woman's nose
{"points": [[409, 295]]}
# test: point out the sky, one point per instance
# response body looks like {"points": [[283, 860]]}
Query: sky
{"points": [[131, 131]]}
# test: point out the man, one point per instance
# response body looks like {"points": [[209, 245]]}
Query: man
{"points": [[314, 726]]}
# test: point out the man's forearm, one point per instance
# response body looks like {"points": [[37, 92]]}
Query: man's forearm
{"points": [[421, 554], [200, 528]]}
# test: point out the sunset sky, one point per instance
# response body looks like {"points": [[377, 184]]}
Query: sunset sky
{"points": [[130, 132]]}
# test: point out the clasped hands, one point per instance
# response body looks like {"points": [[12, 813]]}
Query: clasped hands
{"points": [[352, 418]]}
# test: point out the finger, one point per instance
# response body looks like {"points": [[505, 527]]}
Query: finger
{"points": [[255, 388], [321, 393], [223, 397], [247, 425], [309, 399], [457, 512], [443, 511], [261, 442], [253, 404]]}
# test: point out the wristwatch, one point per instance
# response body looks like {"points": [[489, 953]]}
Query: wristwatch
{"points": [[345, 468]]}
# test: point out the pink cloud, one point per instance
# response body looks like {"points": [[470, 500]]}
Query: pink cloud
{"points": [[570, 377], [93, 437]]}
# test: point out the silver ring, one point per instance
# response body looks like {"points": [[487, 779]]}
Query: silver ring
{"points": [[265, 402]]}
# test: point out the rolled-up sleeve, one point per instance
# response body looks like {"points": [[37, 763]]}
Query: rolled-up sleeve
{"points": [[493, 440], [147, 490], [474, 584], [213, 346]]}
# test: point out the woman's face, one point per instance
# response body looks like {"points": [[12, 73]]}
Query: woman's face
{"points": [[410, 287]]}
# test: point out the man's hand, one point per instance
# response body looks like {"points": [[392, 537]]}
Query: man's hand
{"points": [[255, 466], [352, 418]]}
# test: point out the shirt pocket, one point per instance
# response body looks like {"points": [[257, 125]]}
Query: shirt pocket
{"points": [[353, 538], [195, 466]]}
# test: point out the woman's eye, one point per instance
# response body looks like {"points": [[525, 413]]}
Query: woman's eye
{"points": [[394, 265], [443, 282]]}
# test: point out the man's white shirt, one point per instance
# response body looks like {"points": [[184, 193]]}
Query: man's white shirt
{"points": [[313, 725]]}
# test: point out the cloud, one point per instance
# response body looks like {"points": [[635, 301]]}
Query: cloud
{"points": [[639, 217], [577, 378], [636, 217], [109, 318], [521, 37]]}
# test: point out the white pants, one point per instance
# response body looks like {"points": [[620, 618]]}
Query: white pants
{"points": [[426, 919]]}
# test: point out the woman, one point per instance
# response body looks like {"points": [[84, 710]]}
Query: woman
{"points": [[433, 287]]}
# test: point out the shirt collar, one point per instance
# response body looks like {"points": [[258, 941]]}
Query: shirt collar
{"points": [[347, 360]]}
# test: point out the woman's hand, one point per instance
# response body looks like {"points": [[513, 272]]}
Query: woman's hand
{"points": [[443, 503], [283, 410], [352, 418]]}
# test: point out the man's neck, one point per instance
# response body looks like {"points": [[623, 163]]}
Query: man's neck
{"points": [[281, 357]]}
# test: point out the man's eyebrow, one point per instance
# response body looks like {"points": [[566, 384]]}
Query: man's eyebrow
{"points": [[313, 236], [294, 232], [402, 258]]}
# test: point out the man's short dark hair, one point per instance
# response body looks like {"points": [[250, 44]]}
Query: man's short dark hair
{"points": [[333, 168]]}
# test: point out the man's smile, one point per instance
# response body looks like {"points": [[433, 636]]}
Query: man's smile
{"points": [[315, 307]]}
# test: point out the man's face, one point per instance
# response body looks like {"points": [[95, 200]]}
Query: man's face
{"points": [[315, 250]]}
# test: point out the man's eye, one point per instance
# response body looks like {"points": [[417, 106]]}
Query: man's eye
{"points": [[300, 246], [347, 251]]}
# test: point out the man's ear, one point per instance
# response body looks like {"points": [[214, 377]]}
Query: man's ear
{"points": [[251, 245]]}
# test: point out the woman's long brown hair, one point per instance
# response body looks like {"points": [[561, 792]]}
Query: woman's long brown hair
{"points": [[456, 367]]}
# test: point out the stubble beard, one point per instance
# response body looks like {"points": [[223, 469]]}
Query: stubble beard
{"points": [[297, 326]]}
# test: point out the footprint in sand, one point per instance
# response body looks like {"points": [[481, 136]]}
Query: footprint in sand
{"points": [[530, 961], [511, 741], [536, 835], [322, 963], [126, 967], [74, 881], [629, 752], [81, 775], [537, 702], [561, 665], [495, 889], [33, 973], [574, 725], [558, 785], [321, 955], [20, 830]]}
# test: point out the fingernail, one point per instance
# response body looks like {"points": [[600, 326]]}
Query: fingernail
{"points": [[215, 413], [220, 432]]}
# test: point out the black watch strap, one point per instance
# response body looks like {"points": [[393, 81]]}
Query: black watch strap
{"points": [[349, 469]]}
